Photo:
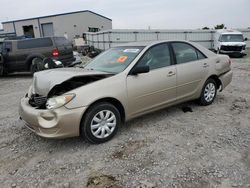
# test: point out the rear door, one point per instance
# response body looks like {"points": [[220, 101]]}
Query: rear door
{"points": [[64, 47], [192, 68]]}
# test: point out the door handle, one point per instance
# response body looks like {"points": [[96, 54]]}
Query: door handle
{"points": [[205, 65], [171, 73]]}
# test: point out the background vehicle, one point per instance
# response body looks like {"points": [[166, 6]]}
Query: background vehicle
{"points": [[229, 42], [1, 63], [122, 83], [18, 54]]}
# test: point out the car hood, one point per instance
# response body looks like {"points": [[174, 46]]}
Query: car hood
{"points": [[44, 81], [233, 43]]}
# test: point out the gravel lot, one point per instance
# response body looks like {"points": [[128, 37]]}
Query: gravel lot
{"points": [[209, 147]]}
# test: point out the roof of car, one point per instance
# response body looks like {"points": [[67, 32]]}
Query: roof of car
{"points": [[228, 31], [149, 43]]}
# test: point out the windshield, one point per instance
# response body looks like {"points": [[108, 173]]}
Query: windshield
{"points": [[114, 60], [232, 38]]}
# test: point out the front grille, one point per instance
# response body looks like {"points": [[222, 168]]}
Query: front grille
{"points": [[232, 48], [37, 100]]}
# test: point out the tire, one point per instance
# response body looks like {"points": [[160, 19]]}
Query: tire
{"points": [[208, 93], [36, 65], [1, 70], [100, 123]]}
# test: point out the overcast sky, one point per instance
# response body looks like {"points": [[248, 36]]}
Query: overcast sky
{"points": [[140, 14]]}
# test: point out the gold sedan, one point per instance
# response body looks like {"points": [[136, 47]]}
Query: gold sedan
{"points": [[122, 83]]}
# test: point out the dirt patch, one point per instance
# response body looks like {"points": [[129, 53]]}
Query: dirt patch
{"points": [[129, 148], [103, 181], [246, 158], [239, 105]]}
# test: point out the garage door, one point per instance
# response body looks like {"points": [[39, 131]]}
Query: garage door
{"points": [[47, 29]]}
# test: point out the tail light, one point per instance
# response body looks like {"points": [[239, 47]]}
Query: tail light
{"points": [[55, 52]]}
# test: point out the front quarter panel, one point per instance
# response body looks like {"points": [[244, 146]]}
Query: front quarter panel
{"points": [[112, 87]]}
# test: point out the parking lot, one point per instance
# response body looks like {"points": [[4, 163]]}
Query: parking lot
{"points": [[209, 147]]}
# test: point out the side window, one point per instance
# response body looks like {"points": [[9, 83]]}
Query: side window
{"points": [[156, 57], [200, 55], [34, 43], [186, 53], [8, 45]]}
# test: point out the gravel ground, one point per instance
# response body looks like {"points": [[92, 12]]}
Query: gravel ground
{"points": [[209, 147]]}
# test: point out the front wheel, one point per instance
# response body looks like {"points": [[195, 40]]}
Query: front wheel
{"points": [[208, 93], [100, 123]]}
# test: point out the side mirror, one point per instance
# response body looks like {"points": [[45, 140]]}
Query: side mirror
{"points": [[245, 39], [140, 70]]}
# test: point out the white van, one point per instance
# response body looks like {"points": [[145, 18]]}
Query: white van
{"points": [[231, 42]]}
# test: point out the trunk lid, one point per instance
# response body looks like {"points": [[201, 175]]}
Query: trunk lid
{"points": [[64, 48]]}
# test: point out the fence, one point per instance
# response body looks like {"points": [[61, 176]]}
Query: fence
{"points": [[107, 39]]}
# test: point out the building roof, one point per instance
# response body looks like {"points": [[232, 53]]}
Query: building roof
{"points": [[57, 15]]}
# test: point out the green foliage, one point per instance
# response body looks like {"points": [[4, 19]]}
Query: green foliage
{"points": [[219, 26]]}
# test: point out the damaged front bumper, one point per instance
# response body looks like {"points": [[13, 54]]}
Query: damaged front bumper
{"points": [[57, 123]]}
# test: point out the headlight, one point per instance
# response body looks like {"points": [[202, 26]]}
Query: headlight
{"points": [[59, 101]]}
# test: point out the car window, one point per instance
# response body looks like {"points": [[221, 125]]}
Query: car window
{"points": [[200, 55], [60, 41], [156, 57], [34, 43], [115, 59], [186, 53], [8, 45]]}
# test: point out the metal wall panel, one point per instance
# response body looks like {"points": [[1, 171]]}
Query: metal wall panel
{"points": [[146, 36], [122, 37], [171, 36], [107, 39]]}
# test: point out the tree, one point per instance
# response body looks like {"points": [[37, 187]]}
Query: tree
{"points": [[219, 26], [205, 28]]}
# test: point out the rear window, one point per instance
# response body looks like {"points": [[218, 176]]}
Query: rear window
{"points": [[61, 41], [34, 43]]}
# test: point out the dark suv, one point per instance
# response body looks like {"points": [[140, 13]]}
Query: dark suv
{"points": [[18, 54]]}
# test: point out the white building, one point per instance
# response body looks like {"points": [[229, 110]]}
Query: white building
{"points": [[68, 24]]}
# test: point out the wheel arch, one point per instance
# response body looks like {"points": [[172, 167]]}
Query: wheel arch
{"points": [[110, 100], [29, 59], [216, 79]]}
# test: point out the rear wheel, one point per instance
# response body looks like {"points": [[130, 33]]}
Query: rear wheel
{"points": [[100, 123], [208, 93], [36, 65], [3, 71]]}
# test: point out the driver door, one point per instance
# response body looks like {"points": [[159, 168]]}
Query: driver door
{"points": [[152, 90]]}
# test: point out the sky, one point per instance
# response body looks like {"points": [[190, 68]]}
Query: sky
{"points": [[140, 14]]}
